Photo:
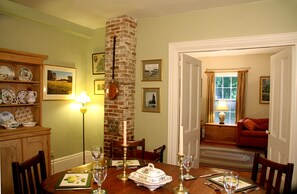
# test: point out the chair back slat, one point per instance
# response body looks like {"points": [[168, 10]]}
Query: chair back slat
{"points": [[276, 172], [28, 176], [116, 149]]}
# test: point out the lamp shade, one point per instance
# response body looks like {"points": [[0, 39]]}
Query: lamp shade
{"points": [[222, 106], [83, 98]]}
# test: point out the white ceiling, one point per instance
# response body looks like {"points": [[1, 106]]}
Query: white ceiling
{"points": [[94, 13]]}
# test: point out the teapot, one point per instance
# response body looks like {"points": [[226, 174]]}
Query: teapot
{"points": [[31, 98]]}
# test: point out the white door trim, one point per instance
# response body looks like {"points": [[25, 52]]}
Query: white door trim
{"points": [[260, 41]]}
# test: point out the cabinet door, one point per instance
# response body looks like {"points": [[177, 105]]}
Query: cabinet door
{"points": [[31, 146], [10, 151]]}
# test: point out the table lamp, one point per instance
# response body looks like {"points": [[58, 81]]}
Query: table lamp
{"points": [[83, 98], [222, 106]]}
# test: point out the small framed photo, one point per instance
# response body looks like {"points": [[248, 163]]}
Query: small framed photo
{"points": [[98, 63], [99, 85], [152, 70], [59, 83], [150, 99], [264, 89]]}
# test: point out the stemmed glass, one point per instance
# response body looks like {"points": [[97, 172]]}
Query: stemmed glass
{"points": [[188, 162], [99, 174], [96, 152], [230, 181]]}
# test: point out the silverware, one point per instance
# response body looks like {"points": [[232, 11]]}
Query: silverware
{"points": [[213, 186], [208, 175], [250, 190]]}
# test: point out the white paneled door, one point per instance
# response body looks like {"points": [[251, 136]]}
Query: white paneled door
{"points": [[280, 106], [190, 95]]}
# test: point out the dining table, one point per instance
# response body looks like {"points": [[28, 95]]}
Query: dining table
{"points": [[113, 185]]}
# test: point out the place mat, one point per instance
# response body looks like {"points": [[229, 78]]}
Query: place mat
{"points": [[243, 183], [74, 181], [118, 163]]}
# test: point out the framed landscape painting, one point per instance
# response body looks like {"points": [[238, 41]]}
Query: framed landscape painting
{"points": [[99, 86], [58, 83], [264, 89], [152, 70]]}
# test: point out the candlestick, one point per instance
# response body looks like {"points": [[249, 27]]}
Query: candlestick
{"points": [[181, 140], [180, 189], [124, 176], [125, 133]]}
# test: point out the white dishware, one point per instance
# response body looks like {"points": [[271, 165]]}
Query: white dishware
{"points": [[99, 174], [29, 124], [31, 98], [6, 73], [23, 114], [188, 162], [22, 96], [96, 151], [25, 74], [10, 124], [230, 180], [150, 177], [6, 116], [8, 95]]}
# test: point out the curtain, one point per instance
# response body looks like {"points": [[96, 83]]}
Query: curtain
{"points": [[240, 93], [210, 97]]}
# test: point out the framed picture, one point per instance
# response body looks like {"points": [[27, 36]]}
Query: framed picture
{"points": [[152, 70], [58, 83], [264, 89], [150, 99], [99, 85], [98, 63]]}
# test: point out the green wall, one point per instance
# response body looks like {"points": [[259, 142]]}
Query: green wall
{"points": [[155, 34], [70, 45]]}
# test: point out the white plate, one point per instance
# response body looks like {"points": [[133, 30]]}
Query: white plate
{"points": [[8, 96], [22, 96], [25, 74], [23, 114], [6, 73], [29, 124], [5, 116]]}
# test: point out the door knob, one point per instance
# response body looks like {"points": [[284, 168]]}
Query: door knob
{"points": [[267, 132]]}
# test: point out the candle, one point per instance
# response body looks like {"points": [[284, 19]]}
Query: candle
{"points": [[181, 140], [125, 133]]}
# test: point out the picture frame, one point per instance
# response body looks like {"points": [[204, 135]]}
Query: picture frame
{"points": [[151, 100], [152, 70], [264, 90], [58, 83], [99, 86], [98, 63]]}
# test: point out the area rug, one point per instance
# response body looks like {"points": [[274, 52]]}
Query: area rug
{"points": [[227, 158]]}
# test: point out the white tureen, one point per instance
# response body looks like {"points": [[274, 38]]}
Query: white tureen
{"points": [[150, 177]]}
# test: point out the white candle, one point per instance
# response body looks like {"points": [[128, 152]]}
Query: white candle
{"points": [[125, 133], [181, 140]]}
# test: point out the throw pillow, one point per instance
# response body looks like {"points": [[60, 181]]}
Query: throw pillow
{"points": [[262, 127], [250, 125]]}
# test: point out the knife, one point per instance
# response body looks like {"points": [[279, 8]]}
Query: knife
{"points": [[250, 190], [208, 175]]}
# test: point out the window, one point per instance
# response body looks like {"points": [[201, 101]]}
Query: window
{"points": [[225, 89]]}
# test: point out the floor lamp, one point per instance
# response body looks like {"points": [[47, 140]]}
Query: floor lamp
{"points": [[83, 98]]}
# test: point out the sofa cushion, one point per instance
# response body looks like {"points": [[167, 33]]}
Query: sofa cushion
{"points": [[250, 125], [262, 127]]}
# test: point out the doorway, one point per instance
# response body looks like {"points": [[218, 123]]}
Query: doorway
{"points": [[230, 44]]}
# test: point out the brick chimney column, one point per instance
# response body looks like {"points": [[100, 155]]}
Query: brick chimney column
{"points": [[122, 107]]}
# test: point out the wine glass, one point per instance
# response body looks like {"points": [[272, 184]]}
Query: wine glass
{"points": [[188, 164], [96, 152], [99, 174], [230, 181]]}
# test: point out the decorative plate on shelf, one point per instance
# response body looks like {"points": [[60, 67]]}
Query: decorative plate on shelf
{"points": [[6, 73], [25, 74], [8, 96], [6, 116], [22, 96], [23, 114]]}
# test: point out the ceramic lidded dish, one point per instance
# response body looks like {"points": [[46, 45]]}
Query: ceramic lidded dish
{"points": [[150, 177]]}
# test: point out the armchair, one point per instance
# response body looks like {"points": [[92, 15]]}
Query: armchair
{"points": [[252, 132]]}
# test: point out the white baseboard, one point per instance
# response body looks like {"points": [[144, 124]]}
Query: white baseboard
{"points": [[70, 161]]}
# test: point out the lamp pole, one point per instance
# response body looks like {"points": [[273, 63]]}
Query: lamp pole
{"points": [[83, 110]]}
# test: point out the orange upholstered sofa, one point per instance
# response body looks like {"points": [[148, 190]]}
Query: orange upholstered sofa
{"points": [[251, 132]]}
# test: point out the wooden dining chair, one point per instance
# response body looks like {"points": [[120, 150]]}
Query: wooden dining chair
{"points": [[275, 173], [28, 176], [159, 153], [116, 149]]}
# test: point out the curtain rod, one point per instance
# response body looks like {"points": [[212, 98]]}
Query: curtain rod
{"points": [[246, 69]]}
